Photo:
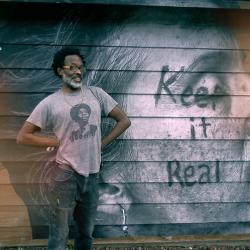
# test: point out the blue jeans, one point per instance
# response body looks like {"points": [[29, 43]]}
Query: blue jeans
{"points": [[72, 194]]}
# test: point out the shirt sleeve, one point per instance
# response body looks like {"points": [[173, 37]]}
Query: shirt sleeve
{"points": [[40, 115], [106, 101]]}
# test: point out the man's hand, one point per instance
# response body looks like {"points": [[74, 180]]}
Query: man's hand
{"points": [[50, 149]]}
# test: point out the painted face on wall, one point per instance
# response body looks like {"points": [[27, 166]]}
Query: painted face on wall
{"points": [[172, 174], [183, 97]]}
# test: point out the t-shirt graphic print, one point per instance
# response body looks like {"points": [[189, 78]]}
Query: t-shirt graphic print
{"points": [[80, 114]]}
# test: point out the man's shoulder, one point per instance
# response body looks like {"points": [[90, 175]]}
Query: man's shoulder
{"points": [[95, 88], [98, 91], [50, 98]]}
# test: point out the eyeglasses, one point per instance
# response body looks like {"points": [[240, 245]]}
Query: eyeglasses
{"points": [[74, 67]]}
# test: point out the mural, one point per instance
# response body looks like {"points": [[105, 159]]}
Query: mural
{"points": [[181, 76], [186, 3]]}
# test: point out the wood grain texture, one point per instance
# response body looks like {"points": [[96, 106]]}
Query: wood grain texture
{"points": [[15, 235], [143, 150], [22, 104], [160, 214], [187, 3], [80, 21], [196, 60], [41, 80], [183, 166], [137, 193], [132, 172], [160, 128], [9, 236]]}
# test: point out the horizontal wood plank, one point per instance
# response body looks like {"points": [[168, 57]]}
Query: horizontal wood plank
{"points": [[192, 234], [160, 214], [25, 80], [113, 58], [116, 82], [196, 213], [159, 172], [187, 128], [180, 150], [148, 193], [10, 236], [134, 22], [133, 172], [142, 150], [165, 3], [10, 151], [159, 128], [136, 105]]}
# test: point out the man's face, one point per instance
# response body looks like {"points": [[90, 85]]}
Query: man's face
{"points": [[72, 71], [182, 108]]}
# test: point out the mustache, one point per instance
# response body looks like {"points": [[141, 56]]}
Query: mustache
{"points": [[76, 76]]}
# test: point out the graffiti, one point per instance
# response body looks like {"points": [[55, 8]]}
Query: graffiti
{"points": [[188, 97], [165, 84], [201, 64], [201, 97], [204, 126], [192, 174]]}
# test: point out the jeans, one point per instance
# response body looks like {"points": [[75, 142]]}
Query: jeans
{"points": [[72, 194]]}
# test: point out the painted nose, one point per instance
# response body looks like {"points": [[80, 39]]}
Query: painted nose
{"points": [[110, 194]]}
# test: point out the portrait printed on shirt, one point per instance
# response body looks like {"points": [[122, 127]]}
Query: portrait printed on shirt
{"points": [[80, 114]]}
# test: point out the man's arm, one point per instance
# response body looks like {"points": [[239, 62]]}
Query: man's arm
{"points": [[27, 135], [122, 124]]}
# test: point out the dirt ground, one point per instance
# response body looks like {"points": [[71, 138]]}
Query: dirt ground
{"points": [[229, 242], [200, 247], [146, 247]]}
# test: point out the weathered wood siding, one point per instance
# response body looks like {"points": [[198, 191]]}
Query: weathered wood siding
{"points": [[181, 74], [173, 3]]}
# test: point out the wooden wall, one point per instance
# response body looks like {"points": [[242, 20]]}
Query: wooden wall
{"points": [[182, 76], [244, 4]]}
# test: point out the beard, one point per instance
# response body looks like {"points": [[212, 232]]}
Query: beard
{"points": [[71, 83]]}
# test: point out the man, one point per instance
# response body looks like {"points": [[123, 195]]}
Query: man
{"points": [[74, 184]]}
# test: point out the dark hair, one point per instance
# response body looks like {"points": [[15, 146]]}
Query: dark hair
{"points": [[74, 112], [59, 58]]}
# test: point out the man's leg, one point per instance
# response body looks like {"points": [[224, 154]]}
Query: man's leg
{"points": [[85, 212], [62, 201]]}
